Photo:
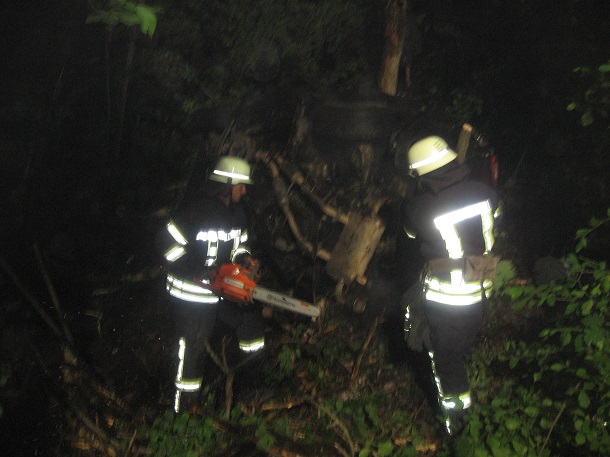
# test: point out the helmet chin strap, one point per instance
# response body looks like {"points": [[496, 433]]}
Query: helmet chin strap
{"points": [[230, 187]]}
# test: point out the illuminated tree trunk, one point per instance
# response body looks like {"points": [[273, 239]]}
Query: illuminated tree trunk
{"points": [[396, 14]]}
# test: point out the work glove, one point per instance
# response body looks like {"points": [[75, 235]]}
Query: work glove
{"points": [[416, 327]]}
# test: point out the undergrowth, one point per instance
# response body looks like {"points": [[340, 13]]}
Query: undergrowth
{"points": [[540, 385], [546, 395]]}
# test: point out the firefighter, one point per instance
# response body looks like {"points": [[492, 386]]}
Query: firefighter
{"points": [[207, 233], [452, 219]]}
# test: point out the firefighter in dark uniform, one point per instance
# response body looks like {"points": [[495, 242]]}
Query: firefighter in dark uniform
{"points": [[452, 218], [210, 232]]}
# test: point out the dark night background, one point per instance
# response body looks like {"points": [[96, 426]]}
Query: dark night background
{"points": [[91, 145], [508, 66]]}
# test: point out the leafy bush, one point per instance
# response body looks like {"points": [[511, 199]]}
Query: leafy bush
{"points": [[548, 395]]}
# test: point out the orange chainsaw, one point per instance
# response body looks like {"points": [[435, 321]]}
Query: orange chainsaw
{"points": [[237, 283]]}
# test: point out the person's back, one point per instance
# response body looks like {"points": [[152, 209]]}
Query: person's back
{"points": [[452, 219], [446, 191]]}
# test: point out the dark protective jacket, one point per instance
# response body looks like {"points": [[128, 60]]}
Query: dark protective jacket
{"points": [[206, 234], [452, 218]]}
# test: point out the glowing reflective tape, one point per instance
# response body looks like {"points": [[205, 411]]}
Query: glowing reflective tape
{"points": [[239, 251], [181, 352], [175, 233], [461, 401], [231, 175], [452, 300], [188, 291], [218, 235], [188, 386], [446, 226], [177, 401], [188, 286], [252, 346], [185, 296], [465, 288], [175, 253], [436, 155]]}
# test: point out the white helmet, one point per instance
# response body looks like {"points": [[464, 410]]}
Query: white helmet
{"points": [[231, 170], [429, 154]]}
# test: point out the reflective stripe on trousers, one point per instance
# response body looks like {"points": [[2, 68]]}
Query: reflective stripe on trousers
{"points": [[449, 403], [183, 385]]}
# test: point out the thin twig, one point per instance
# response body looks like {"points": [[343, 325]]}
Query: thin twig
{"points": [[131, 441], [342, 427], [30, 298], [53, 294], [365, 346], [284, 405], [111, 443], [548, 435], [229, 392], [341, 451]]}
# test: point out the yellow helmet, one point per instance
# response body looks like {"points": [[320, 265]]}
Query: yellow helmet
{"points": [[231, 170], [429, 154]]}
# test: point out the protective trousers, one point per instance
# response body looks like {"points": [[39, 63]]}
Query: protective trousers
{"points": [[195, 324], [453, 330]]}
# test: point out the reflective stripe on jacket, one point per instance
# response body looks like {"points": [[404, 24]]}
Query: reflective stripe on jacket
{"points": [[213, 241], [457, 291]]}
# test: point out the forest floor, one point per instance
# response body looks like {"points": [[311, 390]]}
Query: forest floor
{"points": [[342, 383]]}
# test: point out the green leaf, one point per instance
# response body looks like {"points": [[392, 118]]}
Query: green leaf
{"points": [[571, 106], [580, 439], [514, 292], [512, 424], [557, 367], [583, 399], [545, 423], [582, 373], [581, 233], [537, 376], [385, 449], [570, 308], [519, 447], [587, 118], [531, 411], [147, 18]]}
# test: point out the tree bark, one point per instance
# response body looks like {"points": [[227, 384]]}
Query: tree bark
{"points": [[394, 37]]}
